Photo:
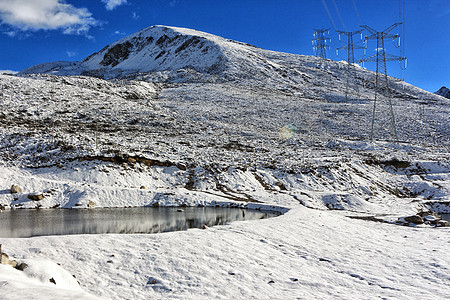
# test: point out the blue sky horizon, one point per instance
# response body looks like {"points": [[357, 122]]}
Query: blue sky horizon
{"points": [[39, 31]]}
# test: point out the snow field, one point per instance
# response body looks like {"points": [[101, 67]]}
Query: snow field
{"points": [[302, 254]]}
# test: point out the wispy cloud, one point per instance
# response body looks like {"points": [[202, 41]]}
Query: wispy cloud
{"points": [[33, 15], [111, 4], [71, 53], [11, 33], [135, 16]]}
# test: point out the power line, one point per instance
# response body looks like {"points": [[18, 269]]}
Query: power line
{"points": [[357, 13], [329, 15], [339, 14], [402, 33]]}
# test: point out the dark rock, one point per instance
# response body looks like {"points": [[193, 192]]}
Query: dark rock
{"points": [[15, 189], [116, 54], [270, 282], [414, 219], [442, 223], [431, 219], [280, 185], [444, 92], [142, 187], [36, 197], [52, 280], [21, 266]]}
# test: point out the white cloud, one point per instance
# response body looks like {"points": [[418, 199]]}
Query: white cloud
{"points": [[10, 33], [135, 16], [71, 53], [111, 4], [8, 72], [47, 15]]}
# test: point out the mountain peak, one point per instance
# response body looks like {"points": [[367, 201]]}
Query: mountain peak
{"points": [[444, 92], [159, 48]]}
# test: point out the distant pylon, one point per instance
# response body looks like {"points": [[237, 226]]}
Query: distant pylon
{"points": [[320, 42], [350, 55], [380, 58]]}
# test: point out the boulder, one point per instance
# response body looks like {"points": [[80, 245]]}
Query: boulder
{"points": [[91, 204], [21, 266], [442, 223], [36, 197], [6, 261], [431, 218], [15, 189], [414, 219]]}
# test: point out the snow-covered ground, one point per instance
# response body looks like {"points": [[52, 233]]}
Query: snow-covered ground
{"points": [[302, 254], [259, 129]]}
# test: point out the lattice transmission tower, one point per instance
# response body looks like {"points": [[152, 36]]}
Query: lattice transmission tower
{"points": [[381, 84], [351, 73], [320, 42]]}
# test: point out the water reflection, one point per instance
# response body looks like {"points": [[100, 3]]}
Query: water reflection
{"points": [[28, 223]]}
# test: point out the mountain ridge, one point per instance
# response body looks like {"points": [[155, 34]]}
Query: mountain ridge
{"points": [[179, 55], [153, 49]]}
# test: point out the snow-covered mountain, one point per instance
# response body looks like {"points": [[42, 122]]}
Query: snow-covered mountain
{"points": [[444, 92], [180, 117], [160, 48]]}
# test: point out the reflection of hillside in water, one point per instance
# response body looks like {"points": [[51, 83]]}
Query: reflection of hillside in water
{"points": [[28, 223]]}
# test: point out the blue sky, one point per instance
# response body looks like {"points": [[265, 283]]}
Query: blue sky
{"points": [[37, 31]]}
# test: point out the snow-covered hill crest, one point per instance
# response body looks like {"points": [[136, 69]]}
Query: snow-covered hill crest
{"points": [[175, 54], [153, 49], [159, 48]]}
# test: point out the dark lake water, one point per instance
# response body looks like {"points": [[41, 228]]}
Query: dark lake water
{"points": [[446, 217], [31, 222]]}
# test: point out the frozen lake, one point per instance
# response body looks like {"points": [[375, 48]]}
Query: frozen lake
{"points": [[21, 223]]}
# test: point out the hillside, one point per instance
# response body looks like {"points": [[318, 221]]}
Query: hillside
{"points": [[176, 117], [224, 118]]}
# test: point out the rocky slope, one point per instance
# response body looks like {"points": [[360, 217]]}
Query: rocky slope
{"points": [[212, 108]]}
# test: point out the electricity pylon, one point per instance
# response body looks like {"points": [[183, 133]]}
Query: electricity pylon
{"points": [[350, 54], [381, 84], [320, 42]]}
